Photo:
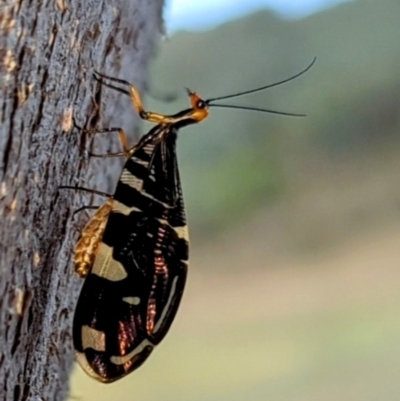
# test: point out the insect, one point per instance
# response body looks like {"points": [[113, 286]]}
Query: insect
{"points": [[134, 250]]}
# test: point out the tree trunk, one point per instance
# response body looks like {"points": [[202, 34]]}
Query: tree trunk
{"points": [[48, 51]]}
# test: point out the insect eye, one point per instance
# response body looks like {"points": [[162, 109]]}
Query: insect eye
{"points": [[200, 104]]}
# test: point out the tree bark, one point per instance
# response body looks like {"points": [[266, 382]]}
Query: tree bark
{"points": [[48, 51]]}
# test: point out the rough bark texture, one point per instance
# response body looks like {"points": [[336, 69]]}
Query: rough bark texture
{"points": [[48, 50]]}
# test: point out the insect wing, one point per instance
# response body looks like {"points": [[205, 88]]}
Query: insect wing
{"points": [[131, 296]]}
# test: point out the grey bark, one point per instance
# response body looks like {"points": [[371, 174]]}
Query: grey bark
{"points": [[48, 50]]}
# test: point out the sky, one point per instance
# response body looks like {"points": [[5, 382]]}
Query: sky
{"points": [[203, 14]]}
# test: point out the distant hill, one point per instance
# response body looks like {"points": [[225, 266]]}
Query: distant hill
{"points": [[237, 161]]}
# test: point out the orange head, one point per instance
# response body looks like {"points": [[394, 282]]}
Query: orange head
{"points": [[199, 106]]}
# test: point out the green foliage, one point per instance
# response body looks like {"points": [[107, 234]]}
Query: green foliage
{"points": [[225, 186], [345, 96]]}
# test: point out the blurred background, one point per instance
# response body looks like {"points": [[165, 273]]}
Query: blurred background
{"points": [[294, 285]]}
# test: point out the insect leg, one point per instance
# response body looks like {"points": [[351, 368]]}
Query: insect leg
{"points": [[89, 190], [133, 93], [118, 154], [122, 136], [122, 139], [86, 207]]}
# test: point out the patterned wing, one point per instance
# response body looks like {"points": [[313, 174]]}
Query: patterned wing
{"points": [[131, 296]]}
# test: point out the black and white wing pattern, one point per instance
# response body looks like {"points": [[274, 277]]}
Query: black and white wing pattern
{"points": [[131, 296]]}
